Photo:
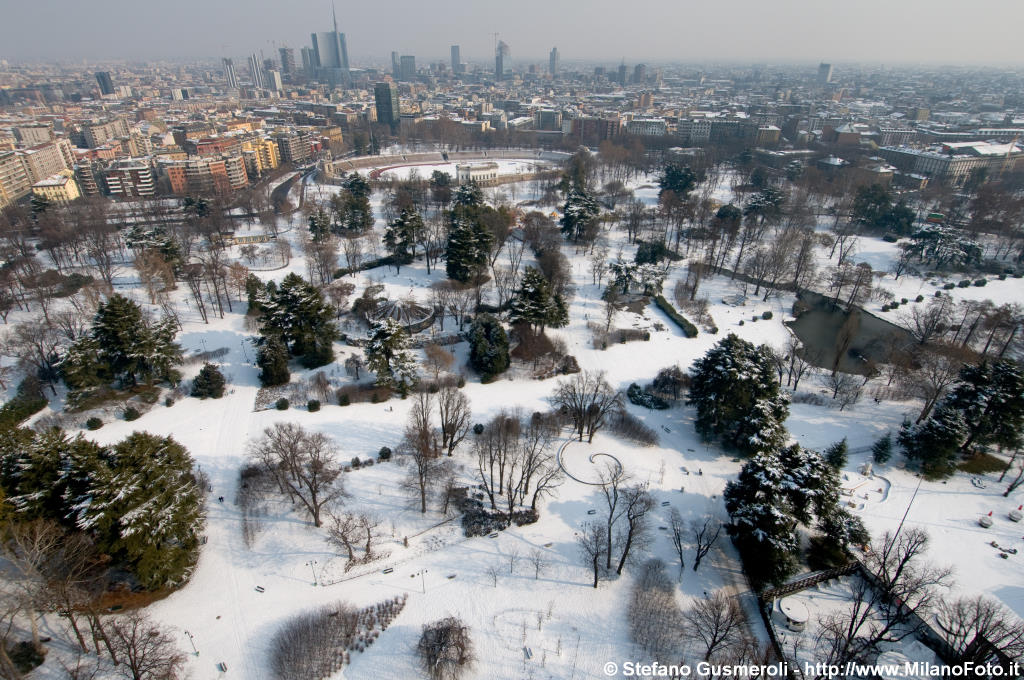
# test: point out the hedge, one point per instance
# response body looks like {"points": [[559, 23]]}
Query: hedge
{"points": [[689, 330], [28, 401]]}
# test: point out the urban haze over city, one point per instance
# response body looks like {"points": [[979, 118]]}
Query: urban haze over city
{"points": [[519, 341]]}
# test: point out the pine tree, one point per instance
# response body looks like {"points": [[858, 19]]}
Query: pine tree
{"points": [[536, 305], [208, 383], [679, 180], [145, 509], [400, 236], [737, 395], [580, 209], [837, 454], [881, 450], [934, 444], [297, 312], [469, 243], [124, 346], [488, 347], [990, 396], [272, 358], [388, 356], [320, 225], [356, 215]]}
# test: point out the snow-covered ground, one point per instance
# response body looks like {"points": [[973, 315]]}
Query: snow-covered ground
{"points": [[570, 629]]}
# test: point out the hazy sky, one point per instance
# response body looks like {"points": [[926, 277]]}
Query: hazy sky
{"points": [[887, 31]]}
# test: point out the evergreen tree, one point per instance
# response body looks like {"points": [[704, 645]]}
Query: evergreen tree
{"points": [[388, 356], [255, 293], [400, 236], [934, 443], [679, 180], [580, 210], [468, 195], [488, 347], [837, 454], [320, 225], [737, 395], [469, 243], [125, 346], [776, 491], [208, 383], [356, 214], [298, 313], [536, 305], [990, 396], [144, 508], [272, 358], [881, 450]]}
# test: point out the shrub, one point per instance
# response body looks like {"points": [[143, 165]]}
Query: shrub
{"points": [[356, 463], [209, 383], [766, 315], [919, 298], [885, 308], [948, 286], [904, 301], [938, 293], [964, 284], [313, 405], [1002, 277], [980, 282], [132, 413], [344, 399], [169, 402], [1018, 275], [753, 319], [478, 428], [28, 401], [642, 397], [384, 454], [281, 404], [630, 427], [689, 330], [741, 322], [890, 238], [434, 388], [461, 382], [93, 423], [713, 330]]}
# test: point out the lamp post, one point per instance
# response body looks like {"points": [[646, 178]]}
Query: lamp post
{"points": [[312, 567], [192, 641]]}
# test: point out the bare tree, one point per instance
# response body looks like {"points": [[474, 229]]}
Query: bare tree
{"points": [[446, 649], [846, 388], [453, 407], [420, 444], [588, 399], [513, 557], [538, 561], [930, 322], [901, 590], [145, 650], [705, 533], [438, 359], [494, 571], [678, 533], [968, 621], [716, 622], [636, 502], [304, 464], [612, 480], [592, 546]]}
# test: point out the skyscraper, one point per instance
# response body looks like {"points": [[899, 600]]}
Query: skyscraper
{"points": [[385, 96], [256, 71], [640, 73], [396, 67], [106, 84], [824, 74], [553, 61], [622, 73], [229, 74], [407, 69], [287, 60], [308, 61], [456, 60], [500, 52], [330, 54]]}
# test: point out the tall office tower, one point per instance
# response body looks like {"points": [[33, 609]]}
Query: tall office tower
{"points": [[553, 61], [396, 67], [500, 52], [456, 60], [274, 80], [407, 68], [640, 73], [385, 96], [106, 84], [287, 60], [622, 73], [824, 74], [308, 61], [229, 74], [256, 71], [331, 55]]}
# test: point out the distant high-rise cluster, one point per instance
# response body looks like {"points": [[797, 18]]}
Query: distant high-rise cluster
{"points": [[229, 74]]}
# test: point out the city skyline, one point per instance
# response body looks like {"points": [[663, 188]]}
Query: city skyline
{"points": [[792, 31]]}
